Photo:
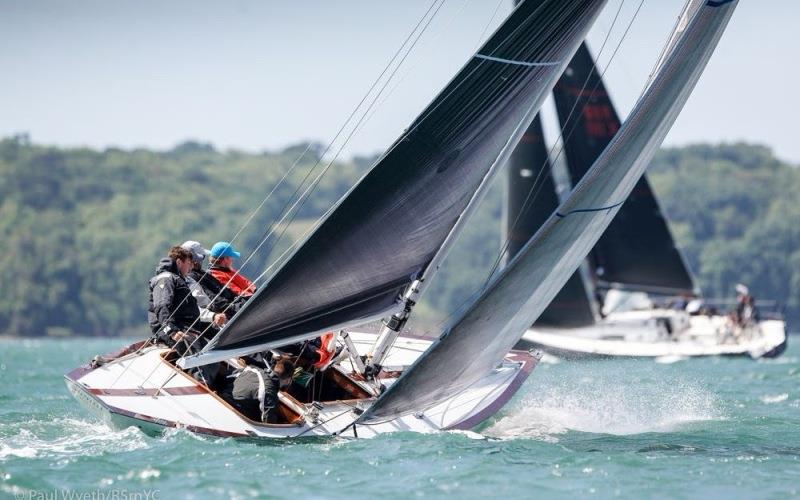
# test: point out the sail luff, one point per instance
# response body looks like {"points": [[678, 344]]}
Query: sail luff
{"points": [[477, 341]]}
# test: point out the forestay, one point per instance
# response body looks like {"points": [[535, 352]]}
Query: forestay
{"points": [[387, 229], [479, 339]]}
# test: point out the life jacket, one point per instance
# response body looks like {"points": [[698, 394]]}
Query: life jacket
{"points": [[237, 283], [326, 350]]}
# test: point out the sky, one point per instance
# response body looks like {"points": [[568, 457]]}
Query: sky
{"points": [[256, 75]]}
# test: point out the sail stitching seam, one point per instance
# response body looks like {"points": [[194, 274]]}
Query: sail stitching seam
{"points": [[519, 63]]}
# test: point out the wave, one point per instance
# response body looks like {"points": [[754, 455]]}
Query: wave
{"points": [[607, 404], [65, 437], [774, 398]]}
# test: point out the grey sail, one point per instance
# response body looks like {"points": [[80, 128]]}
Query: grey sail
{"points": [[531, 198], [473, 345], [385, 232], [637, 251]]}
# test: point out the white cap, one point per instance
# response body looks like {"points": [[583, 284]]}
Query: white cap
{"points": [[742, 289], [198, 251]]}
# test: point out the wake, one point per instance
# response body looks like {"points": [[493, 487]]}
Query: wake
{"points": [[65, 437], [606, 404]]}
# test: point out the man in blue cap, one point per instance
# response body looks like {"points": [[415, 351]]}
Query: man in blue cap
{"points": [[222, 256]]}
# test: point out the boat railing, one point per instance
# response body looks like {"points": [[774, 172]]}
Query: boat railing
{"points": [[767, 308]]}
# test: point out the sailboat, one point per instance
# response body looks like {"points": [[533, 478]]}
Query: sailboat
{"points": [[376, 250], [616, 304]]}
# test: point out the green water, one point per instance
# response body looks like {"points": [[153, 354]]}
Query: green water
{"points": [[709, 428]]}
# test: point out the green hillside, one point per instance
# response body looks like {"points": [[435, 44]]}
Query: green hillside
{"points": [[83, 229]]}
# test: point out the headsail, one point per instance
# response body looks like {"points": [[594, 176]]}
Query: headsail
{"points": [[387, 229], [477, 341], [637, 250]]}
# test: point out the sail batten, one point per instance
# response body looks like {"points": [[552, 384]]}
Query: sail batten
{"points": [[387, 230], [477, 341]]}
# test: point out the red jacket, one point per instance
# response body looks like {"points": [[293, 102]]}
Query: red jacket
{"points": [[238, 283]]}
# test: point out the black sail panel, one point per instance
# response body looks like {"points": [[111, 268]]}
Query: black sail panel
{"points": [[570, 308], [637, 250], [473, 344], [531, 199], [531, 190], [385, 231]]}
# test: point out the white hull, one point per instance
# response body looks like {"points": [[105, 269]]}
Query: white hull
{"points": [[661, 333], [143, 390]]}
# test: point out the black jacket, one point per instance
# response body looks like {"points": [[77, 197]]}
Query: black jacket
{"points": [[222, 299], [172, 306], [245, 394]]}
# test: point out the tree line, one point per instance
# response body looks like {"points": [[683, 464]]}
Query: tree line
{"points": [[83, 229]]}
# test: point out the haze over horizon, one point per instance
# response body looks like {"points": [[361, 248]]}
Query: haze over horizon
{"points": [[256, 76]]}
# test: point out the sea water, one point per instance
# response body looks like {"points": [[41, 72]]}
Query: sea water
{"points": [[707, 428]]}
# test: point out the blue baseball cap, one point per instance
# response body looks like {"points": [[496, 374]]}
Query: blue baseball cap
{"points": [[224, 249]]}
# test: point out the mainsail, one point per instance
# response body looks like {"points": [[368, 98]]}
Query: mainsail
{"points": [[474, 344], [384, 233], [637, 250]]}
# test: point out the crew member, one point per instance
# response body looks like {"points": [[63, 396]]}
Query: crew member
{"points": [[222, 257], [746, 312], [255, 389], [207, 290], [173, 311]]}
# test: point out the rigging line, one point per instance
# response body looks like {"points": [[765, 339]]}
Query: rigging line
{"points": [[286, 211], [340, 131], [528, 200], [440, 99], [301, 201], [536, 185], [414, 66], [305, 195], [474, 50], [486, 28], [538, 188], [330, 145], [246, 223], [669, 38]]}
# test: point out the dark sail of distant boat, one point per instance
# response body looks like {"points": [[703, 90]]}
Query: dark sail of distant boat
{"points": [[637, 251]]}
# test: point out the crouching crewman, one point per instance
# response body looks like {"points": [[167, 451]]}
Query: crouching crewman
{"points": [[255, 389]]}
